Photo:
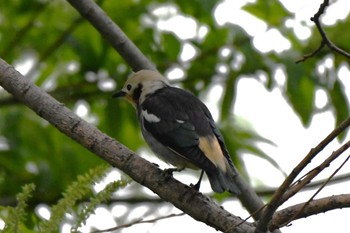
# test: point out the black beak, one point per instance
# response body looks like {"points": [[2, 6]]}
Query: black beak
{"points": [[120, 93]]}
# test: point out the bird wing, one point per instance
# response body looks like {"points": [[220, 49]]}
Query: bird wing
{"points": [[182, 122]]}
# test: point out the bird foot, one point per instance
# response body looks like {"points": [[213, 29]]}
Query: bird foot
{"points": [[169, 172]]}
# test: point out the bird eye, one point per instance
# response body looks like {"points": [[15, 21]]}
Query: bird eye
{"points": [[128, 87]]}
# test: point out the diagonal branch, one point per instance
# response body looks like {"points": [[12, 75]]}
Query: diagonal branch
{"points": [[113, 34]]}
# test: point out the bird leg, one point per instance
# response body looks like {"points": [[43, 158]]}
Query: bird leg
{"points": [[197, 186]]}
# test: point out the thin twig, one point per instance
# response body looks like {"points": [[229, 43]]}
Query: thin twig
{"points": [[316, 20], [325, 41], [138, 221], [294, 189], [297, 214], [312, 185], [307, 56], [276, 200]]}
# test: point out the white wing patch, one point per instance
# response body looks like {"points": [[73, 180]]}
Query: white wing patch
{"points": [[150, 117]]}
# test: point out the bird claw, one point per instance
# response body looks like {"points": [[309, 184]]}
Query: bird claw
{"points": [[169, 171]]}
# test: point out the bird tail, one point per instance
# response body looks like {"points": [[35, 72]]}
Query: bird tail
{"points": [[221, 181]]}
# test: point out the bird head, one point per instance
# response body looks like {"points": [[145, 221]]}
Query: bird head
{"points": [[141, 84]]}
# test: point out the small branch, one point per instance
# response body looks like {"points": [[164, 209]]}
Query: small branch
{"points": [[307, 56], [305, 180], [314, 207], [277, 200], [300, 212], [325, 40], [139, 221], [316, 20]]}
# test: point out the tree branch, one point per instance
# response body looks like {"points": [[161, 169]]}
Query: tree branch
{"points": [[312, 174], [314, 207], [325, 40], [183, 197], [113, 34], [315, 194], [310, 186], [307, 56], [316, 20], [277, 198]]}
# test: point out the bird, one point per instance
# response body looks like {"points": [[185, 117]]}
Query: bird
{"points": [[179, 129]]}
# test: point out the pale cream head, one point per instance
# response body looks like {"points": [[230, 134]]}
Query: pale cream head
{"points": [[141, 84]]}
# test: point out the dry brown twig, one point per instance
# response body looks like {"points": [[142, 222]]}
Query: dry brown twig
{"points": [[325, 40], [303, 207], [283, 193]]}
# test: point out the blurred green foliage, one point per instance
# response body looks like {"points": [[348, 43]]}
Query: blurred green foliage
{"points": [[72, 62]]}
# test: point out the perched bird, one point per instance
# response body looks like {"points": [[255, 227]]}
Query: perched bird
{"points": [[179, 128]]}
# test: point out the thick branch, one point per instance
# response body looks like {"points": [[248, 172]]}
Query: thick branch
{"points": [[183, 197]]}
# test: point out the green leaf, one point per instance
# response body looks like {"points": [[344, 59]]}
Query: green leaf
{"points": [[300, 91], [272, 12]]}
